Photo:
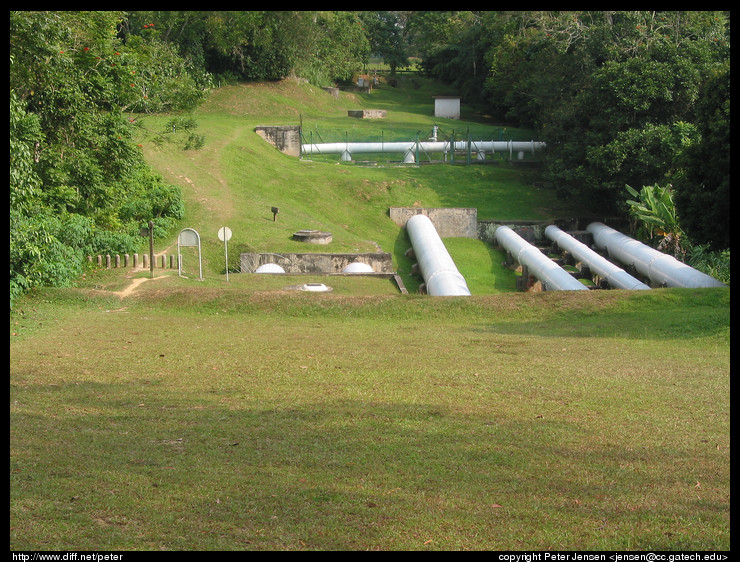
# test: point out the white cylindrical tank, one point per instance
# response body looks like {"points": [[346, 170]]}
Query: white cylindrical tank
{"points": [[357, 267], [269, 268]]}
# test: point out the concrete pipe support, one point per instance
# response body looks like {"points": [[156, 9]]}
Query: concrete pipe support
{"points": [[552, 276], [616, 276], [660, 268]]}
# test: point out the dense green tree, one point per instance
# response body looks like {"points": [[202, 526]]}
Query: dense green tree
{"points": [[387, 36], [334, 48], [74, 168], [321, 46], [452, 47], [612, 93], [703, 185]]}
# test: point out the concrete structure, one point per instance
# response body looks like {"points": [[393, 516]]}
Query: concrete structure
{"points": [[447, 107], [367, 113], [292, 263], [313, 236], [456, 222], [287, 139]]}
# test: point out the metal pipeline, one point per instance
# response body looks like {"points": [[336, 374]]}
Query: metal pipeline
{"points": [[440, 273], [346, 149], [660, 268], [552, 276], [617, 277]]}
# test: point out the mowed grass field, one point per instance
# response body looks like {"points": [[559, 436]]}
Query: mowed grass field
{"points": [[177, 414]]}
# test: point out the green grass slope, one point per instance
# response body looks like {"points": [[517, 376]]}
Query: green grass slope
{"points": [[237, 177]]}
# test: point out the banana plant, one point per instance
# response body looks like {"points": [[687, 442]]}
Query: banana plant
{"points": [[654, 218]]}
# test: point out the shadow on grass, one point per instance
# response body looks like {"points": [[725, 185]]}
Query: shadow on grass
{"points": [[339, 474]]}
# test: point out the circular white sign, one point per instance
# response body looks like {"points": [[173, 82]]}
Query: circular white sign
{"points": [[224, 234]]}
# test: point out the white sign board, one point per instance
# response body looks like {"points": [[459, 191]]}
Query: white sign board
{"points": [[224, 234], [188, 237]]}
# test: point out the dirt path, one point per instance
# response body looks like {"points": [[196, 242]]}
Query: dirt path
{"points": [[135, 285]]}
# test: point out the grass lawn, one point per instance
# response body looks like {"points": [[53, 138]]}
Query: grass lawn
{"points": [[206, 418]]}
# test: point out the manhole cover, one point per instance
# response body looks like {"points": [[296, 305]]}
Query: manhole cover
{"points": [[311, 288], [313, 236]]}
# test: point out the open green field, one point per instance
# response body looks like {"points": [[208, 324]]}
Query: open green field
{"points": [[177, 414]]}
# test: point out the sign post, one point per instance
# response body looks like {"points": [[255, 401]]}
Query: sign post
{"points": [[151, 249], [224, 234]]}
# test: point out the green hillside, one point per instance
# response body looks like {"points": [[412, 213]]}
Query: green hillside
{"points": [[237, 177]]}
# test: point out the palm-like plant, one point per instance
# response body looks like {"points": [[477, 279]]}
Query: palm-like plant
{"points": [[655, 220]]}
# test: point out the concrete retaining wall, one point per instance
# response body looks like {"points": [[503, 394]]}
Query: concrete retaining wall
{"points": [[135, 261], [457, 222], [367, 113], [287, 139], [316, 262]]}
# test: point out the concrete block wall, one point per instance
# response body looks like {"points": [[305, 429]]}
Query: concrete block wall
{"points": [[287, 139], [367, 113], [456, 222], [316, 262]]}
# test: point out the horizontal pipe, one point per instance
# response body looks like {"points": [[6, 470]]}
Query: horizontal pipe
{"points": [[439, 271], [552, 276], [617, 277], [350, 148], [662, 269]]}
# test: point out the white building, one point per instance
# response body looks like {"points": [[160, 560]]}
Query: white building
{"points": [[447, 107]]}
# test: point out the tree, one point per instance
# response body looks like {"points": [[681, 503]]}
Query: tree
{"points": [[452, 47], [703, 187], [74, 167], [321, 46], [611, 93], [335, 47], [386, 32]]}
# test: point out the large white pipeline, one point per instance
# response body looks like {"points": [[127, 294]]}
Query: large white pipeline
{"points": [[617, 277], [440, 273], [660, 268], [408, 148], [552, 276]]}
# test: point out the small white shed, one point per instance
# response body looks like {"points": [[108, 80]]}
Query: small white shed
{"points": [[447, 107]]}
